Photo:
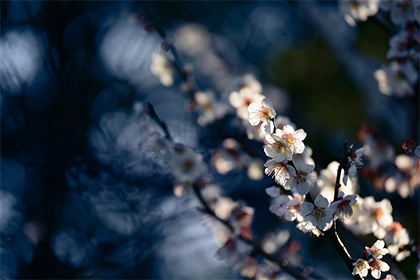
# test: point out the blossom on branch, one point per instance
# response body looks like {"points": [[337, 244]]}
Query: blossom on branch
{"points": [[360, 267], [318, 214]]}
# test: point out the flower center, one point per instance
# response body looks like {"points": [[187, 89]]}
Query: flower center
{"points": [[280, 147], [319, 213], [289, 138], [301, 177], [188, 164]]}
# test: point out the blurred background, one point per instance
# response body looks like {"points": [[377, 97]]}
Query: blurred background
{"points": [[82, 194]]}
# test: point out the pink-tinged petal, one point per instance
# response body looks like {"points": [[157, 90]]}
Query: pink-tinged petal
{"points": [[321, 202], [300, 134], [306, 208], [290, 216]]}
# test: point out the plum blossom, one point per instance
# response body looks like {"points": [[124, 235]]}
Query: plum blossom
{"points": [[301, 178], [397, 238], [235, 253], [284, 206], [378, 266], [318, 214], [397, 79], [361, 267], [284, 143], [377, 251], [161, 68], [278, 171], [344, 205], [261, 112], [209, 108], [402, 11], [354, 162]]}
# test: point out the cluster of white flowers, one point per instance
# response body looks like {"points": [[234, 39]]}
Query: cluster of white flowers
{"points": [[372, 259], [294, 171], [208, 107], [401, 76]]}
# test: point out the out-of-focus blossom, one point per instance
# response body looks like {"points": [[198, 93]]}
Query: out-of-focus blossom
{"points": [[407, 179], [417, 151], [284, 206], [227, 157], [409, 146], [192, 39], [357, 10], [235, 253], [378, 266], [402, 11], [360, 267], [370, 216], [377, 250], [397, 78], [209, 108], [186, 165], [261, 112], [318, 214], [326, 182], [397, 238], [302, 178], [162, 69], [255, 171], [405, 44], [343, 206], [241, 100]]}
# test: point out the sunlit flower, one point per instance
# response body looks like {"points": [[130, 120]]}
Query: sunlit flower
{"points": [[261, 112], [377, 250], [284, 143], [343, 206], [318, 214], [301, 178], [407, 179], [378, 266], [277, 170], [161, 68], [361, 267]]}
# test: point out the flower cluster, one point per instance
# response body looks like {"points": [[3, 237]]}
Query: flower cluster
{"points": [[401, 76], [372, 259], [294, 171]]}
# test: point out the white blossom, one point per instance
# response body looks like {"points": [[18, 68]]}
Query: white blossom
{"points": [[261, 112], [378, 266], [318, 214], [361, 267]]}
